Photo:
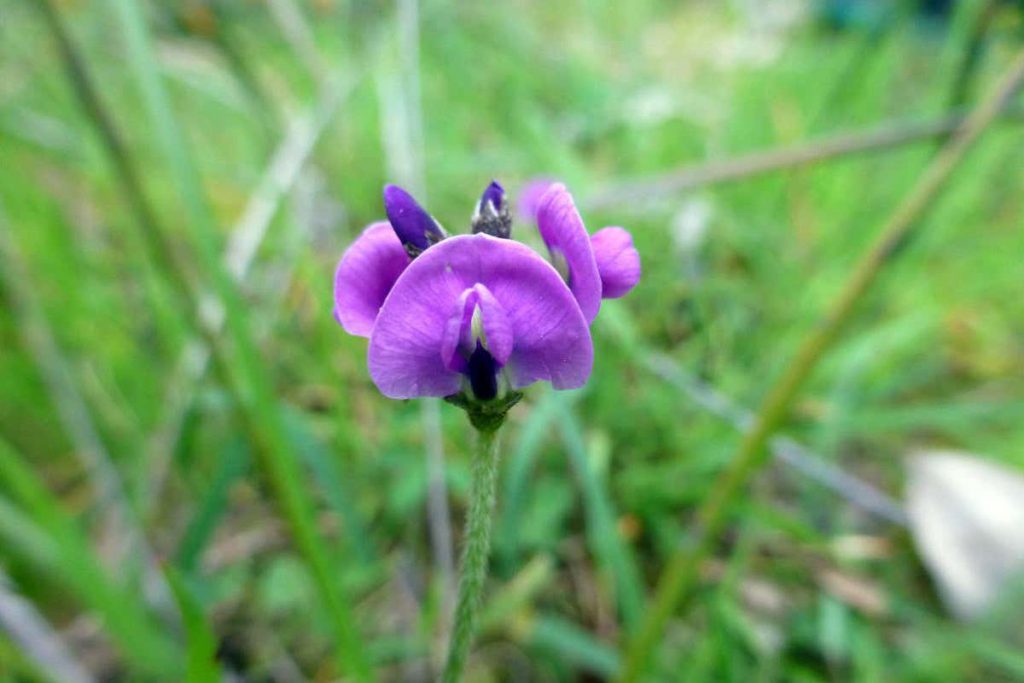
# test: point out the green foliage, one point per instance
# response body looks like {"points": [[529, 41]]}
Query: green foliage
{"points": [[49, 540], [200, 663], [291, 482]]}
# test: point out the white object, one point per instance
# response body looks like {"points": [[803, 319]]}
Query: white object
{"points": [[967, 520]]}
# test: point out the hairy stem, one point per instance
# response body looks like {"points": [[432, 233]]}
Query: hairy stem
{"points": [[683, 569], [477, 548]]}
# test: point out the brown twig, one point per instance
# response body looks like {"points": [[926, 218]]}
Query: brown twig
{"points": [[885, 137]]}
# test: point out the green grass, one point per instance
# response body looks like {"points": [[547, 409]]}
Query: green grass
{"points": [[287, 438]]}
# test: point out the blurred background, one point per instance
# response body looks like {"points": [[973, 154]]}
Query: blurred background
{"points": [[181, 176]]}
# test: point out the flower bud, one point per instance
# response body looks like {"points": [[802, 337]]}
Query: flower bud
{"points": [[492, 215], [416, 228]]}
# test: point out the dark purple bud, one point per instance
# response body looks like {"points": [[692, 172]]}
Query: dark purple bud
{"points": [[492, 215], [416, 228], [495, 194]]}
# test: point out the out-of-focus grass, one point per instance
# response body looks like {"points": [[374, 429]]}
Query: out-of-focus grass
{"points": [[601, 485]]}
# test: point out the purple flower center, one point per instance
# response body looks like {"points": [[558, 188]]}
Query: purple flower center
{"points": [[478, 340], [416, 228]]}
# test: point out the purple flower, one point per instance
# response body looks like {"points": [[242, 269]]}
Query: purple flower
{"points": [[603, 266], [470, 309], [478, 316]]}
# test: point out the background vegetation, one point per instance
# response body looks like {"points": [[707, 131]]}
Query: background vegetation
{"points": [[141, 486]]}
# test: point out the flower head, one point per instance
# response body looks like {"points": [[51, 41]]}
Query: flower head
{"points": [[479, 316], [475, 311]]}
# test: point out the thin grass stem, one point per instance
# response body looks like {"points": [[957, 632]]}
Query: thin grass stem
{"points": [[246, 237], [887, 136], [240, 363], [52, 540], [37, 639], [682, 570], [296, 30], [124, 526], [235, 356]]}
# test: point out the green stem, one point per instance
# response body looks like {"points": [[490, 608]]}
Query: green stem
{"points": [[683, 569], [474, 558]]}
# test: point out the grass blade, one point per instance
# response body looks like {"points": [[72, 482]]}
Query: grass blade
{"points": [[683, 567], [240, 363], [516, 594], [516, 481], [76, 419], [603, 535], [323, 468], [54, 542], [201, 660], [574, 646], [248, 234], [37, 639], [233, 466]]}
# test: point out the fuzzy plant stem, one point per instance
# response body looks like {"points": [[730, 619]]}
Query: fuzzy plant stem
{"points": [[474, 556]]}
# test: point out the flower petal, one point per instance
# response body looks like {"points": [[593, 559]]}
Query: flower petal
{"points": [[529, 198], [565, 235], [453, 342], [365, 274], [618, 261], [550, 339], [490, 327]]}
